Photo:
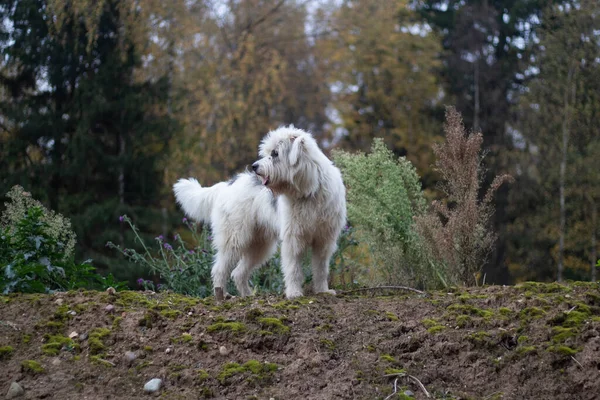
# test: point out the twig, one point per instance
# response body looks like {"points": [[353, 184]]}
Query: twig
{"points": [[384, 288], [572, 308], [395, 389], [578, 363], [106, 361], [403, 375], [420, 385]]}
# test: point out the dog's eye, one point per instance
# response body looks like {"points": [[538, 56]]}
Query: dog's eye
{"points": [[274, 153]]}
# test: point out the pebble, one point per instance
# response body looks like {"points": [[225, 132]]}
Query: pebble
{"points": [[168, 350], [409, 393], [83, 337], [56, 361], [73, 335], [73, 313], [152, 385], [111, 291], [223, 350], [15, 391], [59, 301], [129, 357], [109, 308]]}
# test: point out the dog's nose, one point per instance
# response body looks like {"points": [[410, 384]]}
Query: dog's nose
{"points": [[254, 166]]}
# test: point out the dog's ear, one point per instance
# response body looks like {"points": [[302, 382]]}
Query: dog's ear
{"points": [[297, 148]]}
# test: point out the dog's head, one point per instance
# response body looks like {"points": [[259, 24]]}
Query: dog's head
{"points": [[289, 159]]}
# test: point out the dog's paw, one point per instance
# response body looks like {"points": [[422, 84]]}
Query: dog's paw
{"points": [[293, 294]]}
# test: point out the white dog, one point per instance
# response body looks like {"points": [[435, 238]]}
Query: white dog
{"points": [[295, 194]]}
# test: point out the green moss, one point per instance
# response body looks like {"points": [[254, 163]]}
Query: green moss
{"points": [[391, 316], [56, 343], [171, 314], [522, 350], [148, 349], [177, 367], [562, 350], [328, 344], [235, 327], [324, 328], [531, 313], [97, 359], [62, 313], [258, 371], [202, 375], [462, 320], [479, 337], [470, 310], [394, 371], [95, 342], [54, 326], [539, 287], [149, 318], [522, 339], [26, 338], [32, 366], [370, 348], [387, 357], [436, 329], [132, 298], [6, 352], [116, 324], [505, 312], [428, 323], [202, 345], [274, 325], [560, 334], [143, 365], [253, 314], [184, 338]]}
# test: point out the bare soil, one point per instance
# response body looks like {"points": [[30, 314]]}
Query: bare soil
{"points": [[532, 341]]}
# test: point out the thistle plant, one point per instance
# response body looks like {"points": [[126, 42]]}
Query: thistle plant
{"points": [[182, 268]]}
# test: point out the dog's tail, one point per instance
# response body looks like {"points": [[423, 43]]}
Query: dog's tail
{"points": [[196, 201]]}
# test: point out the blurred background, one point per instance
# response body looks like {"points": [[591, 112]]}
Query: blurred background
{"points": [[104, 104]]}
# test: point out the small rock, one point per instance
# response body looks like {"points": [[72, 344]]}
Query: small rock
{"points": [[111, 291], [56, 361], [223, 350], [15, 391], [109, 308], [83, 337], [409, 393], [73, 335], [168, 350], [129, 357], [59, 301], [152, 385], [73, 313]]}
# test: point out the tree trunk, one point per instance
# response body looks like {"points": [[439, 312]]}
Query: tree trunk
{"points": [[563, 169], [594, 254]]}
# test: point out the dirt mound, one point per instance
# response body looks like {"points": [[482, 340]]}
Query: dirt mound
{"points": [[533, 341]]}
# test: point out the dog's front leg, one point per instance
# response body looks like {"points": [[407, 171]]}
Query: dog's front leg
{"points": [[293, 276]]}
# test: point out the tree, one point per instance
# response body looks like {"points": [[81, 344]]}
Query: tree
{"points": [[84, 136], [381, 62], [561, 114]]}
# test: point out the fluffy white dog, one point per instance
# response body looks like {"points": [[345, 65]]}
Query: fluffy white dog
{"points": [[295, 194]]}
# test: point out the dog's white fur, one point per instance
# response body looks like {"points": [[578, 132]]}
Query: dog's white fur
{"points": [[296, 194]]}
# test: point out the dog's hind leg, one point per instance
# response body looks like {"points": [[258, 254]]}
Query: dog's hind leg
{"points": [[255, 256], [224, 262], [320, 267]]}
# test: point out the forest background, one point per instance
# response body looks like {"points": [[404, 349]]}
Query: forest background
{"points": [[104, 104]]}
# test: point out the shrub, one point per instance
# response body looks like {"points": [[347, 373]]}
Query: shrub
{"points": [[33, 255], [57, 227], [384, 195], [182, 268], [456, 230]]}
